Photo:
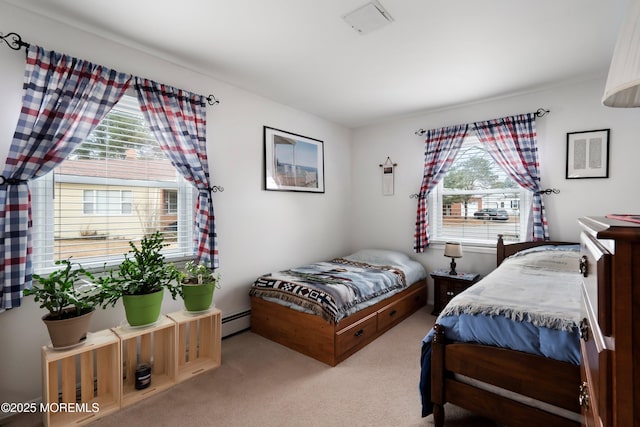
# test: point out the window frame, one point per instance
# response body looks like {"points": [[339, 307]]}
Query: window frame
{"points": [[43, 192], [437, 232]]}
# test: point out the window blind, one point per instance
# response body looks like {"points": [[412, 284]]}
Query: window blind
{"points": [[476, 200], [116, 187]]}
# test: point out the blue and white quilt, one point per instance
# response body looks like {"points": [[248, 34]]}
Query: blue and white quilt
{"points": [[331, 289]]}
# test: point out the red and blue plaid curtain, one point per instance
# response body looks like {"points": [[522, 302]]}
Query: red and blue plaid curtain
{"points": [[441, 147], [511, 141], [64, 99], [177, 118]]}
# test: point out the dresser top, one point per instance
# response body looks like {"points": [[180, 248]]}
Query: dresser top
{"points": [[609, 228]]}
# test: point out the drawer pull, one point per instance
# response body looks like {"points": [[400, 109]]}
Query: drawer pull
{"points": [[393, 313], [359, 333], [583, 396], [584, 270], [584, 330]]}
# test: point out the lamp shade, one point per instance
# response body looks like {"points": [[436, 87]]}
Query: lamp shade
{"points": [[623, 82], [453, 250]]}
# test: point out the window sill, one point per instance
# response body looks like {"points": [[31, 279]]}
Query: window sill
{"points": [[472, 247]]}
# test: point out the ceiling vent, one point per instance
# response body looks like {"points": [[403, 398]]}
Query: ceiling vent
{"points": [[369, 17]]}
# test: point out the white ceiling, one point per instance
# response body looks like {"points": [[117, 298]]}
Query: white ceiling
{"points": [[436, 53]]}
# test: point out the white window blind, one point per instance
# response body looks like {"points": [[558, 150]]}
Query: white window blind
{"points": [[116, 187], [476, 200]]}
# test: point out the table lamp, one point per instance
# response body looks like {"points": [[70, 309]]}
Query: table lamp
{"points": [[453, 250]]}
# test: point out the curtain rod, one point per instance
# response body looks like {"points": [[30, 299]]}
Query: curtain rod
{"points": [[15, 42], [539, 113]]}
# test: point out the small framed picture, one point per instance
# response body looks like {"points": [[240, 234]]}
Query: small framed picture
{"points": [[293, 162], [588, 154]]}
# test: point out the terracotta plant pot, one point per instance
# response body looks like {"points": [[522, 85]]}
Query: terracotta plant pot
{"points": [[198, 297], [68, 332], [142, 310]]}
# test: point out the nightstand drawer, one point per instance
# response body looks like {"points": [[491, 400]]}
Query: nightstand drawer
{"points": [[446, 286], [450, 290]]}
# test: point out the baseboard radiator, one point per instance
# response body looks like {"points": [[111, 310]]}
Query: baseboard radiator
{"points": [[236, 323]]}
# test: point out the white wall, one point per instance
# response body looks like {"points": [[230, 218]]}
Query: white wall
{"points": [[262, 231], [388, 221], [258, 231]]}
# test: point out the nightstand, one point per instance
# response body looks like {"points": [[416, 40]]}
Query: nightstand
{"points": [[447, 286]]}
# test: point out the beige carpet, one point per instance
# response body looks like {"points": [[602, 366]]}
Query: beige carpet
{"points": [[261, 383]]}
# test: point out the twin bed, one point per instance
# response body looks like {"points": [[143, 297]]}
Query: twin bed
{"points": [[508, 348], [329, 310]]}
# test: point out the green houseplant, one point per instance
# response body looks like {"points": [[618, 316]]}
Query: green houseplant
{"points": [[198, 284], [70, 306], [140, 281]]}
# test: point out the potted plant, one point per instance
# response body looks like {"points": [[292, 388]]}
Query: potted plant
{"points": [[140, 281], [70, 306], [198, 285]]}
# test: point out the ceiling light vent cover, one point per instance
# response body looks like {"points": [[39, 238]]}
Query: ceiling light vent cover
{"points": [[369, 17]]}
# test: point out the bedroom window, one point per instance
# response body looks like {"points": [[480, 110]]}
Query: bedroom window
{"points": [[476, 200], [116, 187]]}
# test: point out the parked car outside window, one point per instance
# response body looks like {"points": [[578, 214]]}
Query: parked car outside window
{"points": [[491, 214]]}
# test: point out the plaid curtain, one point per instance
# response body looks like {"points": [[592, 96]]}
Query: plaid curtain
{"points": [[177, 118], [64, 99], [441, 147], [511, 141]]}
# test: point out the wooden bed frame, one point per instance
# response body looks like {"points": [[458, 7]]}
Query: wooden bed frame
{"points": [[543, 379], [329, 342]]}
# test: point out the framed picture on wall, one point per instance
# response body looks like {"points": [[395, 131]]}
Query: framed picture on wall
{"points": [[293, 162], [588, 154]]}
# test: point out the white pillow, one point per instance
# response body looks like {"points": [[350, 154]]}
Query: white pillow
{"points": [[379, 256]]}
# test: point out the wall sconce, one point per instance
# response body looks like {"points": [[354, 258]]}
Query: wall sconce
{"points": [[623, 82], [453, 250]]}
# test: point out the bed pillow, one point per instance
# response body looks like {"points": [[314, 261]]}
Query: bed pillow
{"points": [[544, 248], [551, 258], [379, 256]]}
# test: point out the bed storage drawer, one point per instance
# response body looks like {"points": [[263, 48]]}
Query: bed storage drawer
{"points": [[400, 309], [358, 334]]}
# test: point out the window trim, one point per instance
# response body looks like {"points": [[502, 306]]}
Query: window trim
{"points": [[43, 192], [435, 207]]}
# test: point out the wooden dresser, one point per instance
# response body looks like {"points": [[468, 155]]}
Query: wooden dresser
{"points": [[610, 330]]}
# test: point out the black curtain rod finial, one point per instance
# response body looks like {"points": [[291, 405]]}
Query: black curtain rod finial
{"points": [[14, 41], [212, 100], [540, 112], [549, 191]]}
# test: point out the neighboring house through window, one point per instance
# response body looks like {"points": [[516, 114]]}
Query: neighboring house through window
{"points": [[476, 200], [116, 187]]}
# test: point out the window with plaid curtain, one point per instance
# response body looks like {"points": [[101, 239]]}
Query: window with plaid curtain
{"points": [[178, 120], [64, 98], [511, 141]]}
